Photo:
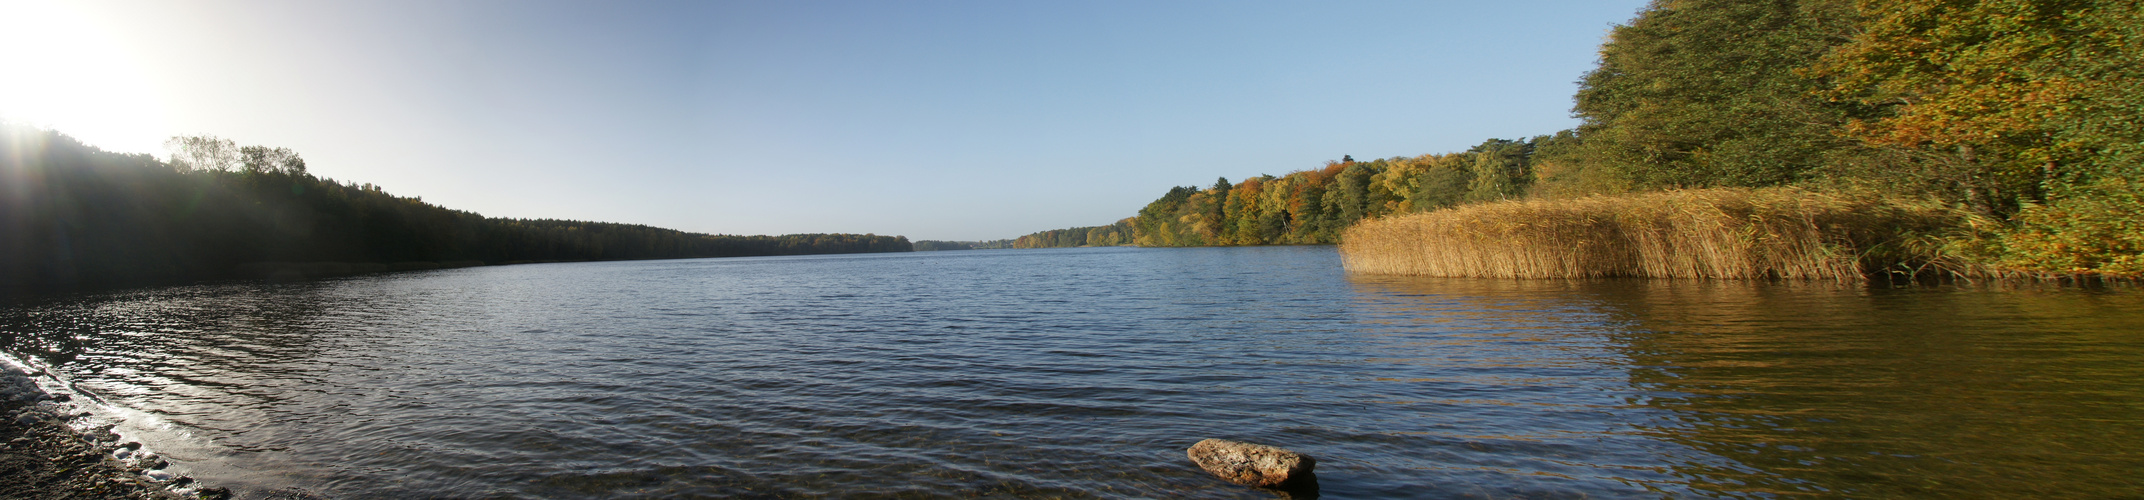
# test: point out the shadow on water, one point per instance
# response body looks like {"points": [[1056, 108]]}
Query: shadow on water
{"points": [[1303, 488]]}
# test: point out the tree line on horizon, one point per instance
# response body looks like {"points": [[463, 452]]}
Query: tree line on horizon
{"points": [[1313, 206], [1116, 234], [2022, 112], [76, 216], [942, 245]]}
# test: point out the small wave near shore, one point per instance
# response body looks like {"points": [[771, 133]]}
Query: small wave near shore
{"points": [[60, 442]]}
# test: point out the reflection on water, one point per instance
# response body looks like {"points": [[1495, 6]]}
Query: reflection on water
{"points": [[1905, 392], [1792, 389], [1085, 373]]}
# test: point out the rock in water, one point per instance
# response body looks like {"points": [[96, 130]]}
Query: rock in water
{"points": [[1251, 464]]}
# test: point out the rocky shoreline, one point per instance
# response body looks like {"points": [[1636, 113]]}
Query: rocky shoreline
{"points": [[43, 455]]}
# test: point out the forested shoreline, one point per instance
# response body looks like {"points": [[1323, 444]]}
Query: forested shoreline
{"points": [[80, 217], [1117, 234], [941, 245], [2018, 117]]}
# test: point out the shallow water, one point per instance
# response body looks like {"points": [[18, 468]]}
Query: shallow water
{"points": [[1086, 372]]}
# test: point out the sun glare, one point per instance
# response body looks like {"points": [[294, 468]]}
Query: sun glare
{"points": [[61, 70]]}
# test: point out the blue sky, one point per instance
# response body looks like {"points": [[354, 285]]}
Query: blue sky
{"points": [[930, 119]]}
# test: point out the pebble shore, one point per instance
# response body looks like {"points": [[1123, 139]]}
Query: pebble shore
{"points": [[42, 456]]}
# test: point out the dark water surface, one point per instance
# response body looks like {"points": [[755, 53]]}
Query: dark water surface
{"points": [[1086, 372]]}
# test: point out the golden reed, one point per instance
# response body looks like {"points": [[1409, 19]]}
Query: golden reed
{"points": [[1710, 233]]}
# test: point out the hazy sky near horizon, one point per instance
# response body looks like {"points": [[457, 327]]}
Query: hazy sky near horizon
{"points": [[945, 120]]}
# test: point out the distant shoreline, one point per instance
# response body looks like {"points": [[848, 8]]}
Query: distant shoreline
{"points": [[88, 219]]}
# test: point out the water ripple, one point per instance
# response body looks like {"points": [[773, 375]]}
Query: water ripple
{"points": [[1084, 373]]}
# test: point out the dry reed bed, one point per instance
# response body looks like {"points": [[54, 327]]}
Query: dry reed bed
{"points": [[1711, 233]]}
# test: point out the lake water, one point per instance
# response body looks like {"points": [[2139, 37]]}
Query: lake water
{"points": [[1087, 372]]}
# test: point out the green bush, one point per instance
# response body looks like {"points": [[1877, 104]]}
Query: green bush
{"points": [[2098, 229]]}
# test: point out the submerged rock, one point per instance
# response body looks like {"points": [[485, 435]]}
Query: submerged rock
{"points": [[1251, 464]]}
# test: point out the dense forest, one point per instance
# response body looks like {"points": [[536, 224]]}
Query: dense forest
{"points": [[1314, 206], [2024, 113], [76, 216], [939, 245], [1093, 236]]}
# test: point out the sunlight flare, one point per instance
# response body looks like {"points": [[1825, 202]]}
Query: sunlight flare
{"points": [[61, 70]]}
